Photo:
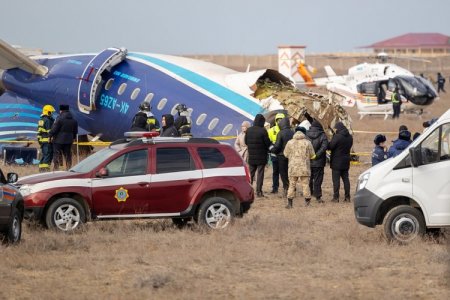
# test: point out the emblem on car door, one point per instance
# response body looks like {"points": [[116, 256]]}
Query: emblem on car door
{"points": [[121, 195]]}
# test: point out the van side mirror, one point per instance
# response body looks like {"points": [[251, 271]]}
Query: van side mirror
{"points": [[416, 156], [12, 177], [103, 172]]}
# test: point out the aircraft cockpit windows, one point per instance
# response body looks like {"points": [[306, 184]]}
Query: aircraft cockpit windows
{"points": [[109, 84], [122, 88], [135, 93], [149, 97], [201, 119], [227, 129], [162, 103], [213, 123]]}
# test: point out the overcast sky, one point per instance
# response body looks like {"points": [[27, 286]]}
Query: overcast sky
{"points": [[215, 26]]}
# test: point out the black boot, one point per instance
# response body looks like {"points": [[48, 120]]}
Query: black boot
{"points": [[319, 200], [285, 191], [289, 205], [307, 201]]}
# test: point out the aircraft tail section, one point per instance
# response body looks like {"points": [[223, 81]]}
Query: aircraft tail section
{"points": [[12, 58], [329, 70], [305, 72]]}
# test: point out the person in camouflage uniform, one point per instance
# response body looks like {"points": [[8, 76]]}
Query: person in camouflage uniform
{"points": [[299, 151]]}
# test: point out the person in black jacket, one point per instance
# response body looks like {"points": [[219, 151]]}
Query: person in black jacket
{"points": [[284, 135], [258, 143], [64, 131], [319, 141], [144, 120], [340, 146], [168, 128]]}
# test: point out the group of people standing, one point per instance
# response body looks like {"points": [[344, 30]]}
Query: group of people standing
{"points": [[297, 155], [380, 152], [56, 137], [144, 120]]}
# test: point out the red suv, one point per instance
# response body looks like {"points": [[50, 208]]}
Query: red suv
{"points": [[178, 178]]}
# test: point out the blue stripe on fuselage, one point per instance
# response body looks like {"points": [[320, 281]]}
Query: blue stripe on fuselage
{"points": [[20, 114], [218, 90], [19, 106], [18, 124]]}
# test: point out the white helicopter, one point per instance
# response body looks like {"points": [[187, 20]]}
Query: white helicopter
{"points": [[369, 87]]}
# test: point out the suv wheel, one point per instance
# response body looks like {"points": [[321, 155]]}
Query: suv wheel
{"points": [[403, 223], [14, 231], [216, 213], [65, 214]]}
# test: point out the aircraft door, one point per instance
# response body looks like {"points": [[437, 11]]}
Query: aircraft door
{"points": [[91, 78]]}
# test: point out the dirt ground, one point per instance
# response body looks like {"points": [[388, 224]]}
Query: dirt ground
{"points": [[317, 252]]}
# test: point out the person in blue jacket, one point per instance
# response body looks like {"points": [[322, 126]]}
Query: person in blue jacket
{"points": [[379, 153], [400, 144]]}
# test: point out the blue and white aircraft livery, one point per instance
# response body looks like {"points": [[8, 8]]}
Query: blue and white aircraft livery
{"points": [[104, 91]]}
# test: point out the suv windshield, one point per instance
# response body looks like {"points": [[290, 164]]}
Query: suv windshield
{"points": [[90, 162]]}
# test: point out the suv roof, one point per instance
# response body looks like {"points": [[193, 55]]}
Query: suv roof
{"points": [[157, 140]]}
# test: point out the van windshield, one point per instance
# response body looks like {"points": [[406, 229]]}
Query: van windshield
{"points": [[92, 161]]}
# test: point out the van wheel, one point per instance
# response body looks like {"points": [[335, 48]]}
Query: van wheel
{"points": [[14, 231], [403, 224], [216, 213], [65, 214]]}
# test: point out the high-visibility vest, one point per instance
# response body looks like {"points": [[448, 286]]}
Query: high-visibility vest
{"points": [[394, 98], [44, 125]]}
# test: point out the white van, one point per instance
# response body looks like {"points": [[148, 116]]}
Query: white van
{"points": [[409, 193]]}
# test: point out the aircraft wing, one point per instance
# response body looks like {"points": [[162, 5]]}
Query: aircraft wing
{"points": [[12, 58]]}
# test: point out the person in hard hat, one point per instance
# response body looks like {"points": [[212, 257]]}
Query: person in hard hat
{"points": [[144, 120], [45, 124], [183, 121], [283, 136], [273, 132]]}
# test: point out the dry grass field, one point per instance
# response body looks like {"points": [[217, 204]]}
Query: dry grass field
{"points": [[317, 252]]}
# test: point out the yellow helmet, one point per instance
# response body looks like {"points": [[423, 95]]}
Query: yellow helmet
{"points": [[48, 110], [279, 116]]}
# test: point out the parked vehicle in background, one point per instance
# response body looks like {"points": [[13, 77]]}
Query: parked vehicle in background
{"points": [[410, 193], [178, 178], [11, 209]]}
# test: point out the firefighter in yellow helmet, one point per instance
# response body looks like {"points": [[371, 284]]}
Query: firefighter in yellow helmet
{"points": [[44, 125], [273, 132]]}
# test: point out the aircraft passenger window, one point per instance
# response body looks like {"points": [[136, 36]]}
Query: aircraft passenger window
{"points": [[162, 103], [149, 97], [213, 123], [430, 147], [135, 93], [201, 119], [227, 129], [122, 88], [174, 109], [109, 84]]}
